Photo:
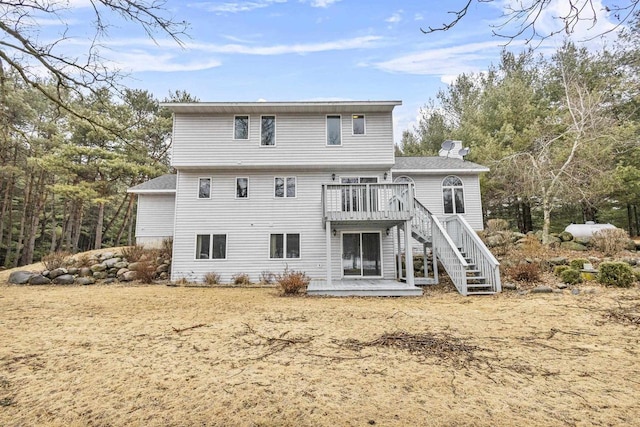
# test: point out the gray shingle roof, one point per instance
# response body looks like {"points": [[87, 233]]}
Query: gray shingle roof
{"points": [[162, 184], [436, 164]]}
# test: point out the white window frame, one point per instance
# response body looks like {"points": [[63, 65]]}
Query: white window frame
{"points": [[275, 127], [211, 258], [453, 196], [248, 116], [326, 130], [364, 119], [284, 248], [210, 187], [285, 178], [236, 187]]}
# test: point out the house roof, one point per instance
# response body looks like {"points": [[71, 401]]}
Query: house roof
{"points": [[436, 165], [281, 107], [162, 184]]}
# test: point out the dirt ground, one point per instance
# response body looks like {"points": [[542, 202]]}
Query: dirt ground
{"points": [[175, 356]]}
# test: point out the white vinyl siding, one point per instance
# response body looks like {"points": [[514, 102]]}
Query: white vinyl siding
{"points": [[204, 141], [250, 223], [154, 218]]}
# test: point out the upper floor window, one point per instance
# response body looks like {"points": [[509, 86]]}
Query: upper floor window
{"points": [[204, 188], [268, 130], [285, 186], [358, 124], [284, 246], [211, 246], [334, 133], [242, 188], [453, 195], [241, 127], [403, 180]]}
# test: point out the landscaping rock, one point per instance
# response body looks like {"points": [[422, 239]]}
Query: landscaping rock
{"points": [[65, 279], [582, 240], [133, 266], [39, 279], [542, 290], [509, 286], [575, 291], [111, 262], [162, 268], [109, 281], [565, 236], [121, 271], [107, 255], [57, 272], [45, 273], [559, 260], [121, 264], [128, 276], [20, 277], [73, 271], [99, 275], [85, 272], [98, 267], [163, 276], [573, 246], [85, 281], [562, 286]]}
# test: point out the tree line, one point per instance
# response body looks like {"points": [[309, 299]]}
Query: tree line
{"points": [[560, 134]]}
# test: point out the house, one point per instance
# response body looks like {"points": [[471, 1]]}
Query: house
{"points": [[315, 187]]}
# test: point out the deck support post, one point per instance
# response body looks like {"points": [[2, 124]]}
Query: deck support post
{"points": [[328, 232], [434, 259], [398, 253], [408, 253]]}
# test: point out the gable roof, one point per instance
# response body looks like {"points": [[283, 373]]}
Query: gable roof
{"points": [[347, 107], [436, 165], [162, 184]]}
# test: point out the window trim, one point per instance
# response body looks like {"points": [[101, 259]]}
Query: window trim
{"points": [[364, 121], [453, 196], [248, 116], [275, 121], [236, 187], [284, 248], [226, 247], [285, 187], [210, 188], [326, 130]]}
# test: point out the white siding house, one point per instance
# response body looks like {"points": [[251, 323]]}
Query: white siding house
{"points": [[309, 186]]}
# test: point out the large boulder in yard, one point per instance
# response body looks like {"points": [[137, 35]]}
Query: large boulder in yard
{"points": [[99, 275], [573, 246], [121, 264], [39, 279], [106, 255], [85, 272], [128, 276], [111, 262], [85, 281], [65, 279], [20, 277], [57, 272], [98, 267], [162, 268]]}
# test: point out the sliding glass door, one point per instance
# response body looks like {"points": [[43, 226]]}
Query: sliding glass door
{"points": [[361, 255]]}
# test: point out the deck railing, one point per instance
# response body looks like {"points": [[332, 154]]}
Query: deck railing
{"points": [[449, 255], [359, 202], [421, 221], [464, 237]]}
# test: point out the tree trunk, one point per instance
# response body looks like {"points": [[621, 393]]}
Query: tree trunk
{"points": [[115, 216], [125, 220], [546, 214], [526, 217], [635, 214], [77, 226], [98, 243], [630, 220]]}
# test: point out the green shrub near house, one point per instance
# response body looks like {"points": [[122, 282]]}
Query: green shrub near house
{"points": [[578, 263], [617, 274], [570, 276]]}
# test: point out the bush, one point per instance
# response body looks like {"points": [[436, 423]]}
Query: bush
{"points": [[616, 274], [525, 273], [570, 276], [559, 269], [55, 260], [578, 263], [267, 277], [292, 282], [166, 248], [610, 241], [133, 253], [145, 271], [241, 279], [497, 224], [83, 260], [212, 278]]}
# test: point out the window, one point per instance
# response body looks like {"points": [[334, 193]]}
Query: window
{"points": [[242, 188], [285, 186], [333, 130], [268, 130], [211, 246], [284, 246], [403, 180], [241, 127], [204, 188], [358, 124], [452, 195]]}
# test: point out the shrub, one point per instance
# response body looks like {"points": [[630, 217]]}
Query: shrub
{"points": [[558, 269], [145, 271], [55, 260], [570, 276], [83, 260], [525, 272], [616, 274], [133, 253], [497, 224], [578, 263], [610, 241], [292, 282], [241, 279], [212, 278], [267, 277], [166, 248]]}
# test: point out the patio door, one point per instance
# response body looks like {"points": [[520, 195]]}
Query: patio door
{"points": [[361, 255]]}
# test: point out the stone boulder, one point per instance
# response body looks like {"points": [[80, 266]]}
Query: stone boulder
{"points": [[57, 272], [128, 276], [111, 262], [121, 271], [573, 246], [73, 270], [560, 260], [85, 281], [133, 266], [106, 255], [163, 268], [20, 277], [98, 267], [39, 279], [65, 279], [121, 264], [542, 290], [99, 275], [85, 272]]}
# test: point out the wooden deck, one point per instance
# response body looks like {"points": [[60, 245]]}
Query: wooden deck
{"points": [[363, 288]]}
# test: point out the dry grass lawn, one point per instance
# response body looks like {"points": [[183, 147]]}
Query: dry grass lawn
{"points": [[176, 356]]}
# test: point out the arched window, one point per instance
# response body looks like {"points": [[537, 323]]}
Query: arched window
{"points": [[453, 195], [403, 180]]}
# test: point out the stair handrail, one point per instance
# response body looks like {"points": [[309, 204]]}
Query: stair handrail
{"points": [[421, 221], [478, 252], [447, 252]]}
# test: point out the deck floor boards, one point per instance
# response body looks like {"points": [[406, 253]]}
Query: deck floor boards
{"points": [[363, 287]]}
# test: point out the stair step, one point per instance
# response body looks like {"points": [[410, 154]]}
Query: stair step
{"points": [[481, 293], [478, 285], [475, 278], [473, 271]]}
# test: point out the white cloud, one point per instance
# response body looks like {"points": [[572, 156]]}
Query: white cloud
{"points": [[395, 17], [418, 17], [322, 3], [235, 7], [140, 61]]}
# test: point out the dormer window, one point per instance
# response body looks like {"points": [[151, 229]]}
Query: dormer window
{"points": [[241, 127]]}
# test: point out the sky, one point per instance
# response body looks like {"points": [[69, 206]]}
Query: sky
{"points": [[308, 50]]}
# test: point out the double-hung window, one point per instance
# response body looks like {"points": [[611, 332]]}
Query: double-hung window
{"points": [[204, 188], [211, 246], [241, 127], [242, 188], [284, 246], [268, 130], [285, 186]]}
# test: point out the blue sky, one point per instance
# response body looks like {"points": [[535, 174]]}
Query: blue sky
{"points": [[294, 50]]}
